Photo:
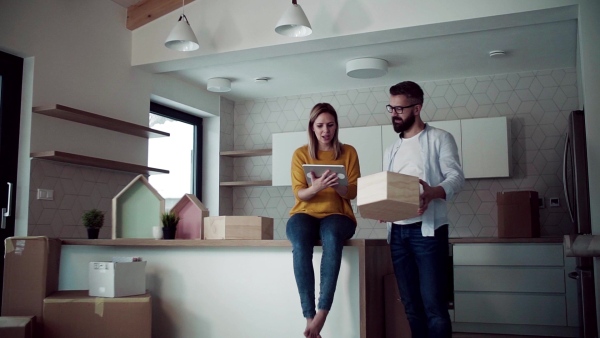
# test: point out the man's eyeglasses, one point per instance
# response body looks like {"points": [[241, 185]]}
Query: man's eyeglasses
{"points": [[398, 109]]}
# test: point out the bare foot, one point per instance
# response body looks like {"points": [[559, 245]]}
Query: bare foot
{"points": [[315, 325]]}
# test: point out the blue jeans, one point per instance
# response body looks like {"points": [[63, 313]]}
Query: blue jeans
{"points": [[420, 269], [304, 231]]}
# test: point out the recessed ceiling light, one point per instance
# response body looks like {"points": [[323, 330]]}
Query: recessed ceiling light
{"points": [[496, 53]]}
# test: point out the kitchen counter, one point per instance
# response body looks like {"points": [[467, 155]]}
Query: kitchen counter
{"points": [[200, 287]]}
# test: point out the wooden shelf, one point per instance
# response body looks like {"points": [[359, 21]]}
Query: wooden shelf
{"points": [[246, 183], [247, 153], [80, 116], [60, 156]]}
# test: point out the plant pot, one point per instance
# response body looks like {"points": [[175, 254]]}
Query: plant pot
{"points": [[93, 233], [169, 233]]}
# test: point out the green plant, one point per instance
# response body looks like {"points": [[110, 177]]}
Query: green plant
{"points": [[93, 219], [169, 219]]}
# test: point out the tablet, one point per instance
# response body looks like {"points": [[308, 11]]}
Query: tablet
{"points": [[319, 169]]}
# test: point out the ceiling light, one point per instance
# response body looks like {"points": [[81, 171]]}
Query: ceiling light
{"points": [[294, 22], [366, 68], [495, 53], [182, 37], [218, 85]]}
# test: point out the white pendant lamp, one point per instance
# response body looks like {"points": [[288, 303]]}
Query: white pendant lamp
{"points": [[182, 37], [218, 85], [294, 22]]}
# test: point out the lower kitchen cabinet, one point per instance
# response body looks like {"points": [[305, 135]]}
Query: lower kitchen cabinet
{"points": [[514, 288]]}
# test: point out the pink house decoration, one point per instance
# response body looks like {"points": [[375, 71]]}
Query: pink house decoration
{"points": [[136, 210], [191, 213]]}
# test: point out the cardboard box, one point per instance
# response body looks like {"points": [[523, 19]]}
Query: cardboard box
{"points": [[518, 214], [30, 274], [16, 327], [74, 314], [238, 227], [116, 279], [388, 196]]}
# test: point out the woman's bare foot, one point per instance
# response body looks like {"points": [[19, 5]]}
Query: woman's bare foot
{"points": [[315, 325]]}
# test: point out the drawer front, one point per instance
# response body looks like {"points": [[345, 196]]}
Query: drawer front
{"points": [[510, 309], [509, 279], [513, 254]]}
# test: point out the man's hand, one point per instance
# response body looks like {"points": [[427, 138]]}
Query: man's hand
{"points": [[429, 194]]}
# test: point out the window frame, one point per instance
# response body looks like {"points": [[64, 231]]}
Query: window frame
{"points": [[159, 109]]}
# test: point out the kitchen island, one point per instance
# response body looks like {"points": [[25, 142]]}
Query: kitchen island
{"points": [[239, 288]]}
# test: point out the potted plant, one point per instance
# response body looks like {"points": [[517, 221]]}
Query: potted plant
{"points": [[169, 223], [93, 220]]}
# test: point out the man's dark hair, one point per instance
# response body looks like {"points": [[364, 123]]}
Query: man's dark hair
{"points": [[409, 89]]}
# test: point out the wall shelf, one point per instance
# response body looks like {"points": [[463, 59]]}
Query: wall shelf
{"points": [[247, 153], [246, 183], [60, 156], [80, 116]]}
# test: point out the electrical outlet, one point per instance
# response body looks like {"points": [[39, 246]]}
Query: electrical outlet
{"points": [[45, 194], [554, 202]]}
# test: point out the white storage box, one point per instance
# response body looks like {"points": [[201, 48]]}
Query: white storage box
{"points": [[117, 279]]}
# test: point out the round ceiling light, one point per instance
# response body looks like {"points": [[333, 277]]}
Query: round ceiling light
{"points": [[366, 68], [218, 85]]}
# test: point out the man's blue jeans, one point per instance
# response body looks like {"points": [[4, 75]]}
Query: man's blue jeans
{"points": [[420, 269], [304, 231]]}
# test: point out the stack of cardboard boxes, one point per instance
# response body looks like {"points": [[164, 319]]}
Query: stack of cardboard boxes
{"points": [[32, 306]]}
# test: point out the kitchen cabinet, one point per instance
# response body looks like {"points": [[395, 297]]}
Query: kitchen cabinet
{"points": [[486, 151], [483, 147], [366, 141], [246, 153], [513, 288], [99, 121]]}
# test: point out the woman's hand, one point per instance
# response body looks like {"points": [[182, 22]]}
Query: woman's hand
{"points": [[328, 179]]}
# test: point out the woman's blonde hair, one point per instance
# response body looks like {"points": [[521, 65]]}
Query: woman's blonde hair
{"points": [[313, 143]]}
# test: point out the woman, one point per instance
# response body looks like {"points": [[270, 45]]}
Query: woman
{"points": [[322, 212]]}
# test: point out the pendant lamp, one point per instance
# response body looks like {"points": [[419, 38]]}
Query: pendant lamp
{"points": [[294, 22], [182, 37]]}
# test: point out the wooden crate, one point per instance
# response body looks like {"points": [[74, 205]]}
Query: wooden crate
{"points": [[388, 196], [238, 227]]}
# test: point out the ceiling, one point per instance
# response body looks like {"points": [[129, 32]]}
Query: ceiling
{"points": [[537, 40]]}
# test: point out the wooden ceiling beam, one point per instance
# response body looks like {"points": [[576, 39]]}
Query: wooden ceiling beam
{"points": [[148, 10]]}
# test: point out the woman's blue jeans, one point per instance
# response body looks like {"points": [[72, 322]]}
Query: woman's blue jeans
{"points": [[304, 231], [420, 269]]}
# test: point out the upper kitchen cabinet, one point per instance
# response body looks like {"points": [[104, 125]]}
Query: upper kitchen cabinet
{"points": [[453, 127], [486, 151], [366, 141]]}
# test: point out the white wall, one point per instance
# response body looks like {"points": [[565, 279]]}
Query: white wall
{"points": [[79, 55], [589, 52]]}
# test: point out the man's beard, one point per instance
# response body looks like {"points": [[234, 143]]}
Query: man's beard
{"points": [[403, 126]]}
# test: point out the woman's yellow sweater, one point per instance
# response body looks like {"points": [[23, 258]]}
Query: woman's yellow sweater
{"points": [[327, 201]]}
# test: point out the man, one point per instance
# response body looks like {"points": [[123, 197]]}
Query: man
{"points": [[419, 246]]}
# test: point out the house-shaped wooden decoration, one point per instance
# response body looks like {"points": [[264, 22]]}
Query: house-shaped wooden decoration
{"points": [[191, 213], [136, 209]]}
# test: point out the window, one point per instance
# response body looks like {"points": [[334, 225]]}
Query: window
{"points": [[181, 153]]}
